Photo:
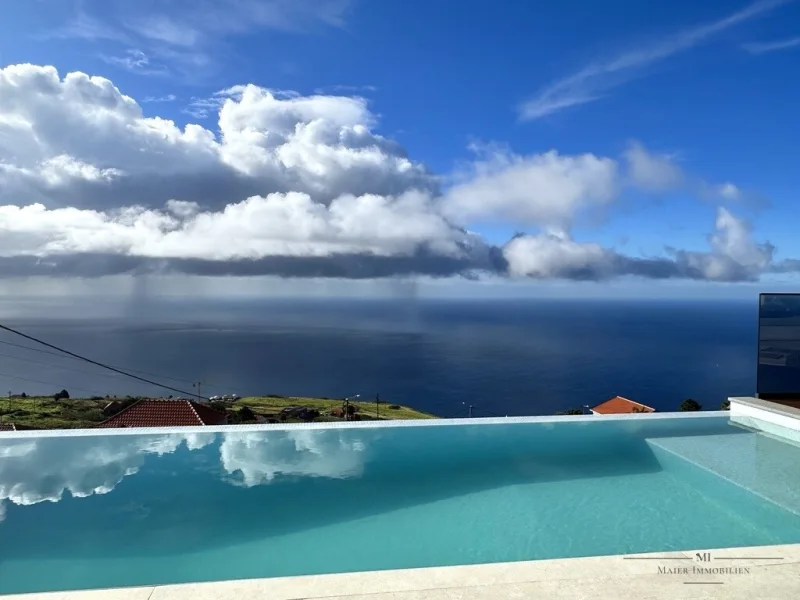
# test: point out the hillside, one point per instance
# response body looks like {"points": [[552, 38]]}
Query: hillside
{"points": [[43, 412]]}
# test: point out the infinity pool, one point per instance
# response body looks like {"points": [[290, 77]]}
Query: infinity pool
{"points": [[114, 509]]}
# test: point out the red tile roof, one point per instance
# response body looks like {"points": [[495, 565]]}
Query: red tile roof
{"points": [[619, 405], [165, 413]]}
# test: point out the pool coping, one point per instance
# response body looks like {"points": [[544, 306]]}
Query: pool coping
{"points": [[774, 569], [765, 405], [96, 432]]}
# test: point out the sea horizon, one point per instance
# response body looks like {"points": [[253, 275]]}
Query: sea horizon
{"points": [[502, 356]]}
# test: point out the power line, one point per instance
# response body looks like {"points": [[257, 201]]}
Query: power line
{"points": [[60, 355], [140, 372], [28, 379], [55, 366], [99, 364]]}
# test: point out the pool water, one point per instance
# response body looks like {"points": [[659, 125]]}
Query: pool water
{"points": [[98, 511]]}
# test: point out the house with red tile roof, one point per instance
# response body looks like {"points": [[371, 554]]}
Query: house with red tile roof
{"points": [[166, 413], [620, 406]]}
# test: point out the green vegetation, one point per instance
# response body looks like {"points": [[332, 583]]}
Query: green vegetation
{"points": [[271, 406], [690, 404], [47, 412]]}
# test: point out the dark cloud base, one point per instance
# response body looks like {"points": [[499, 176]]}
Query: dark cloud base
{"points": [[683, 265]]}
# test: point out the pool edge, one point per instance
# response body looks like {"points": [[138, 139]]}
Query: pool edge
{"points": [[40, 433], [773, 567]]}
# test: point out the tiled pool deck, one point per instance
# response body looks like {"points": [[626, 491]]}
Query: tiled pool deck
{"points": [[766, 573]]}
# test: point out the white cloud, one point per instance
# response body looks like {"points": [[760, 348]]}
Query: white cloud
{"points": [[187, 35], [733, 255], [542, 189], [277, 225], [552, 256], [764, 47], [259, 459], [157, 99], [163, 29], [135, 61], [729, 191], [286, 185], [86, 27], [598, 79], [652, 172], [43, 469], [39, 470], [321, 145]]}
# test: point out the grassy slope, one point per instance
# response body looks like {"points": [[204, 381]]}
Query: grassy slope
{"points": [[46, 413], [269, 405]]}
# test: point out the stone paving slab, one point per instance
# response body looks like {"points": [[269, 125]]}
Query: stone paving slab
{"points": [[764, 572]]}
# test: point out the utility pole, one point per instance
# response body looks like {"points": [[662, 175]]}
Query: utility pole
{"points": [[470, 408], [197, 387], [377, 406], [346, 406]]}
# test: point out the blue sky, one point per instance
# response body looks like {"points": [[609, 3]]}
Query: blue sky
{"points": [[709, 87]]}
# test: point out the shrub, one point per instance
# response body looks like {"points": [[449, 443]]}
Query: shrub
{"points": [[394, 406], [246, 415], [690, 404], [218, 405]]}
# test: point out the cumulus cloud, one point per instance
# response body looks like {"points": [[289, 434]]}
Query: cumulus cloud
{"points": [[44, 469], [39, 470], [732, 256], [296, 186], [531, 190], [652, 172], [305, 453]]}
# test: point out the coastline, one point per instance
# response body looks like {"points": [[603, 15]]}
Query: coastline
{"points": [[46, 412]]}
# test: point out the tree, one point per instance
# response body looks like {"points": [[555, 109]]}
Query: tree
{"points": [[246, 415], [62, 395], [218, 406], [726, 405], [690, 404]]}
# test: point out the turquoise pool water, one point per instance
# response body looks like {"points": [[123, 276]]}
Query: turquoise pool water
{"points": [[122, 510]]}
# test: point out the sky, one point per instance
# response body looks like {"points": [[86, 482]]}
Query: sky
{"points": [[513, 145]]}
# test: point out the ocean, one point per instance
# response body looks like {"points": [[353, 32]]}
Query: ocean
{"points": [[502, 357]]}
